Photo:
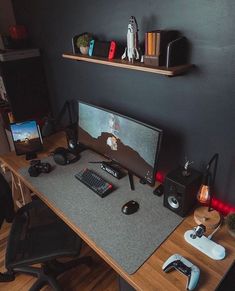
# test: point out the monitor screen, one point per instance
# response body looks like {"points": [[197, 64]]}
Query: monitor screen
{"points": [[128, 142], [26, 137]]}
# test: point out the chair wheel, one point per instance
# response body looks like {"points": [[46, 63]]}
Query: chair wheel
{"points": [[7, 277]]}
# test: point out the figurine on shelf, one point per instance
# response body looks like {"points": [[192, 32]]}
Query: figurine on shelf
{"points": [[186, 171], [132, 51]]}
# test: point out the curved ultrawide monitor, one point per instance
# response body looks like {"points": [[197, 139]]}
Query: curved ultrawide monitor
{"points": [[132, 144]]}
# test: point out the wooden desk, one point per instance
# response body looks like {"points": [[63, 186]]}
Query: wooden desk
{"points": [[11, 162], [149, 276]]}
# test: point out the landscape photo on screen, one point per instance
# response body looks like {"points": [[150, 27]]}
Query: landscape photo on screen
{"points": [[26, 137], [131, 144]]}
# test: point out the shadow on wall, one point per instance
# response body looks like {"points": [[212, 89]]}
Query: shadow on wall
{"points": [[172, 151], [4, 147], [229, 180]]}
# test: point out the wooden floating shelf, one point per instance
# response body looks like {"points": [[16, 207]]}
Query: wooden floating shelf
{"points": [[173, 71]]}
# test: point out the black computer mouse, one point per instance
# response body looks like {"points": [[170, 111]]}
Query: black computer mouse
{"points": [[130, 207]]}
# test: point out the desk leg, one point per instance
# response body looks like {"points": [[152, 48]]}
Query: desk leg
{"points": [[21, 194]]}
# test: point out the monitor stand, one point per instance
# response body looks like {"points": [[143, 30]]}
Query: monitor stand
{"points": [[30, 156], [131, 180], [78, 148]]}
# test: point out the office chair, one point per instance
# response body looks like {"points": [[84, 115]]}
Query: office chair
{"points": [[38, 236]]}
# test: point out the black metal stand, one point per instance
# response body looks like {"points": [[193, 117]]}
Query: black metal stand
{"points": [[214, 160], [30, 156], [131, 180]]}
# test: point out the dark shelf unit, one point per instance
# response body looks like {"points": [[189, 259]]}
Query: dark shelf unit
{"points": [[26, 89]]}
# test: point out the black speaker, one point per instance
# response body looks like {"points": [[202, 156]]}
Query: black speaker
{"points": [[180, 190]]}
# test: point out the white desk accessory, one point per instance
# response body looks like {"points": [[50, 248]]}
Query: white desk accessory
{"points": [[205, 244]]}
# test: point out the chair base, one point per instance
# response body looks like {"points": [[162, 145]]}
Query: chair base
{"points": [[7, 276], [47, 274]]}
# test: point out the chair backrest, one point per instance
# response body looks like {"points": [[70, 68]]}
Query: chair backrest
{"points": [[37, 234]]}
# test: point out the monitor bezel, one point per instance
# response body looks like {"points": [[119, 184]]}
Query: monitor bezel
{"points": [[160, 132], [40, 148]]}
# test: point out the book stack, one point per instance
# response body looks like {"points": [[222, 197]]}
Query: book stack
{"points": [[156, 43]]}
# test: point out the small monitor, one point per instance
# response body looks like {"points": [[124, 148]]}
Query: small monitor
{"points": [[128, 142], [27, 138]]}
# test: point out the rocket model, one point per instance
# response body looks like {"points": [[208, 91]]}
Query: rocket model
{"points": [[132, 49]]}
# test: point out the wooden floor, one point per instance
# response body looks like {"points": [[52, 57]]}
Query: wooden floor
{"points": [[99, 277]]}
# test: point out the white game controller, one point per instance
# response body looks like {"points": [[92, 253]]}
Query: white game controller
{"points": [[184, 266]]}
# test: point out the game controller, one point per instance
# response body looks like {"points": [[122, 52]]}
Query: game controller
{"points": [[112, 50], [91, 47], [185, 267], [37, 167]]}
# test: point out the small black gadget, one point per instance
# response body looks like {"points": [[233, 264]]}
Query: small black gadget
{"points": [[112, 170], [159, 190], [37, 167], [130, 207], [101, 49], [64, 156]]}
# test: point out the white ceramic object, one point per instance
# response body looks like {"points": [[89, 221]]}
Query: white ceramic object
{"points": [[84, 50], [205, 245]]}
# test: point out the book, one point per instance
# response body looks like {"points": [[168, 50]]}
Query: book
{"points": [[146, 43], [157, 42], [150, 43], [154, 44]]}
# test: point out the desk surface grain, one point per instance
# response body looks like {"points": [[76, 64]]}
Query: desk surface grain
{"points": [[149, 276]]}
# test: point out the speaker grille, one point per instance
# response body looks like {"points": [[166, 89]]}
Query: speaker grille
{"points": [[173, 202]]}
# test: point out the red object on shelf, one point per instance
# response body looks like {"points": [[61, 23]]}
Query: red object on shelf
{"points": [[18, 32]]}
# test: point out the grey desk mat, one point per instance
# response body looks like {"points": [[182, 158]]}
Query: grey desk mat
{"points": [[128, 239]]}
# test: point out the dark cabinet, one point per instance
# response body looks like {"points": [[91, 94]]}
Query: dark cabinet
{"points": [[23, 80]]}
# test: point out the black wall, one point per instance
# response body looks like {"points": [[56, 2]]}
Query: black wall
{"points": [[196, 111]]}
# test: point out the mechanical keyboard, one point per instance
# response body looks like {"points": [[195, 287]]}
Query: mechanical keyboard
{"points": [[94, 182]]}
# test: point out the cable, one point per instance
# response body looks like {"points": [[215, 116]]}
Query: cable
{"points": [[217, 228]]}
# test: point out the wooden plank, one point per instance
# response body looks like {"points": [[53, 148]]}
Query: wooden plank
{"points": [[173, 71]]}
